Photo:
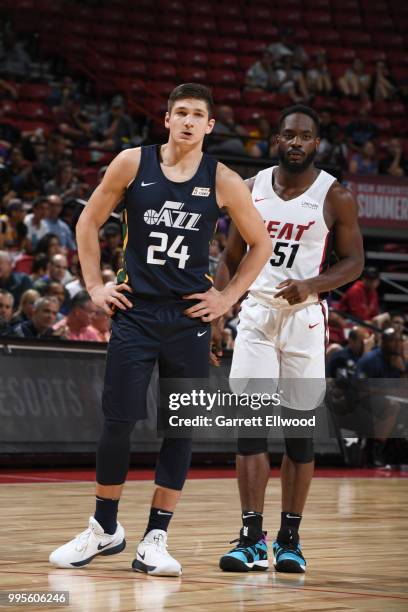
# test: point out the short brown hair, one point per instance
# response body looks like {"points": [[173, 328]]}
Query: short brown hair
{"points": [[192, 90]]}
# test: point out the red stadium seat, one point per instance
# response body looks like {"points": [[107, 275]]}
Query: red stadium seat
{"points": [[400, 74], [193, 42], [200, 8], [164, 39], [35, 109], [162, 88], [9, 108], [100, 30], [172, 21], [222, 60], [175, 6], [326, 37], [227, 96], [102, 66], [389, 42], [131, 68], [248, 115], [399, 58], [348, 21], [130, 36], [204, 25], [229, 11], [136, 51], [370, 56], [161, 71], [223, 45], [222, 77], [34, 91], [80, 28], [341, 54], [350, 107], [338, 69], [163, 54], [259, 13], [383, 124], [199, 58], [356, 39], [232, 28], [246, 61], [378, 22], [24, 263], [263, 32], [252, 46], [192, 74], [315, 19], [258, 98]]}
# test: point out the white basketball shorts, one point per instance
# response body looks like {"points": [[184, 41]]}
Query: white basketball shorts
{"points": [[281, 349]]}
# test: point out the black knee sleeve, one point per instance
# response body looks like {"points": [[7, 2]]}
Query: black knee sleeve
{"points": [[173, 463], [112, 455], [300, 450], [252, 446]]}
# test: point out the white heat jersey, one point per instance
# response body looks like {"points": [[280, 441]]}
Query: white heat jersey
{"points": [[298, 231]]}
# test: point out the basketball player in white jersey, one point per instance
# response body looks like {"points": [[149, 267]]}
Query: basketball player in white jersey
{"points": [[282, 328]]}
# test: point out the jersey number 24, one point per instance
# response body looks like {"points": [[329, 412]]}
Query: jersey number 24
{"points": [[181, 255]]}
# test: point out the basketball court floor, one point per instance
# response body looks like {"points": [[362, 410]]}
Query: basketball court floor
{"points": [[354, 536]]}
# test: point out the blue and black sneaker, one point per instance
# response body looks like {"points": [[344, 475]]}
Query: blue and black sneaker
{"points": [[248, 555], [288, 557]]}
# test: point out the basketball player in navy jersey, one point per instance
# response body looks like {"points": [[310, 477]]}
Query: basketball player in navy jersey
{"points": [[282, 329], [164, 302]]}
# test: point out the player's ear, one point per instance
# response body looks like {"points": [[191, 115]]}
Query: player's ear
{"points": [[210, 126], [166, 120]]}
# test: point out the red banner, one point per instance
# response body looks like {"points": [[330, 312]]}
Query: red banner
{"points": [[382, 201]]}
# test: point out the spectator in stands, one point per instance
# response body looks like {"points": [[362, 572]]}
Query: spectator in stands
{"points": [[332, 149], [19, 170], [383, 362], [395, 163], [64, 184], [77, 325], [227, 136], [361, 130], [73, 122], [14, 59], [112, 239], [290, 80], [9, 224], [259, 143], [76, 285], [343, 364], [6, 306], [43, 319], [108, 275], [13, 282], [57, 290], [318, 78], [35, 221], [56, 151], [49, 245], [56, 225], [361, 299], [287, 46], [365, 162], [26, 307], [384, 87], [57, 272], [356, 81], [101, 324], [261, 75], [115, 130], [39, 267]]}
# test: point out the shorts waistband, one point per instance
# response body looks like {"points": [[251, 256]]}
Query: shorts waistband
{"points": [[278, 305]]}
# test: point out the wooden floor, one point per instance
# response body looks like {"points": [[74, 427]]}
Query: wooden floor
{"points": [[354, 536]]}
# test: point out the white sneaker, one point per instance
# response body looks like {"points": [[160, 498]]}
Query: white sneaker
{"points": [[86, 545], [152, 556]]}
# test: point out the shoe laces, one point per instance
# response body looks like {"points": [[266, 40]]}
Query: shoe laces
{"points": [[160, 544], [82, 539], [243, 541]]}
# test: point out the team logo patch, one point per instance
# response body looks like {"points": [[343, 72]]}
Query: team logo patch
{"points": [[172, 214], [203, 192]]}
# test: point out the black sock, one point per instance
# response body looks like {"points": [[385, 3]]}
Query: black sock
{"points": [[252, 524], [158, 519], [289, 527], [106, 513]]}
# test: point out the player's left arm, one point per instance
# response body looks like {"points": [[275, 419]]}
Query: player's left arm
{"points": [[234, 195], [343, 216]]}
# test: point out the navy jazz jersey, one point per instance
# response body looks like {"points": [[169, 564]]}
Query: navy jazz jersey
{"points": [[168, 227]]}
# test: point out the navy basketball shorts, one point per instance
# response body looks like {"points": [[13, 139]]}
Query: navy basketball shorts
{"points": [[151, 331]]}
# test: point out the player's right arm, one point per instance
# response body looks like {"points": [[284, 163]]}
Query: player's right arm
{"points": [[101, 204]]}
